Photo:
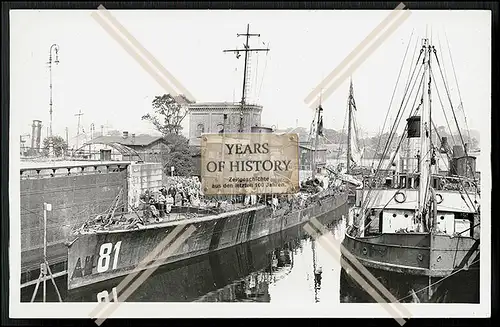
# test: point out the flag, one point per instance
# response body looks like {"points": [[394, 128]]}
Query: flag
{"points": [[351, 96], [320, 126]]}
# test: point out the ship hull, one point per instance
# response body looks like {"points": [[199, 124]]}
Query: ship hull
{"points": [[462, 287], [418, 267], [420, 254], [101, 256]]}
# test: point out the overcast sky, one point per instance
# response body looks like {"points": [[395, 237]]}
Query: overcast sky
{"points": [[96, 75]]}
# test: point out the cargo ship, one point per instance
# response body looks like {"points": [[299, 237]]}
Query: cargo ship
{"points": [[419, 225], [116, 244]]}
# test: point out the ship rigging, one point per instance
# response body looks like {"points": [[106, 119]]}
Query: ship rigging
{"points": [[422, 217]]}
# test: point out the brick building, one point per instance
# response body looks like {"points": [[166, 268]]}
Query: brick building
{"points": [[208, 117], [144, 148]]}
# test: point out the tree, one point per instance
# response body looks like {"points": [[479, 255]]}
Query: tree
{"points": [[168, 114], [179, 155], [59, 145]]}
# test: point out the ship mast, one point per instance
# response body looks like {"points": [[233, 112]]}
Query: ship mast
{"points": [[349, 127], [319, 131], [425, 143], [246, 50]]}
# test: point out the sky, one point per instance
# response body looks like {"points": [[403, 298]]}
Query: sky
{"points": [[97, 76]]}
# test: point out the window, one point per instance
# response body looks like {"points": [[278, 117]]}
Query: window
{"points": [[105, 155], [200, 129]]}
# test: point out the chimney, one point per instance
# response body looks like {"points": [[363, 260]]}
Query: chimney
{"points": [[125, 134], [133, 138], [36, 134], [466, 148], [444, 145], [458, 151]]}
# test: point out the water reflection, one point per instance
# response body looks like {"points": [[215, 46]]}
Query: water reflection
{"points": [[287, 267], [284, 267], [462, 287]]}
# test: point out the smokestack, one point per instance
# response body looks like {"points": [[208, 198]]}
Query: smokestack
{"points": [[125, 134], [466, 147], [458, 151], [444, 145], [413, 126], [36, 133]]}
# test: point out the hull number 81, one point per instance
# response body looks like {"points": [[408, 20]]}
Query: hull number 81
{"points": [[105, 252]]}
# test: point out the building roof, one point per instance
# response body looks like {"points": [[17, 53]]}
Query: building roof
{"points": [[141, 140], [57, 164], [203, 105]]}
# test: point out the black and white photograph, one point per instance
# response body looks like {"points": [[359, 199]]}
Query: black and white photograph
{"points": [[321, 162]]}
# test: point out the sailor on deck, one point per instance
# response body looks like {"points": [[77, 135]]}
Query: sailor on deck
{"points": [[169, 201], [161, 204], [275, 203]]}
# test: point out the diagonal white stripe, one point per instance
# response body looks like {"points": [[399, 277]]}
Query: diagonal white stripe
{"points": [[153, 68], [144, 263], [362, 58], [357, 264], [145, 53], [326, 243], [359, 49], [112, 306]]}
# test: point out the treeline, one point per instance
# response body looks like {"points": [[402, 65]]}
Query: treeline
{"points": [[374, 145]]}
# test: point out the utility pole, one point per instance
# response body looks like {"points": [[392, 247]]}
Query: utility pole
{"points": [[45, 271], [92, 130], [246, 49], [79, 114], [53, 48]]}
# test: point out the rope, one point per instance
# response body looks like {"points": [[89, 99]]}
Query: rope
{"points": [[395, 87], [439, 281], [444, 68], [456, 83], [453, 111], [264, 72], [39, 216], [460, 181], [444, 112], [397, 121], [456, 122]]}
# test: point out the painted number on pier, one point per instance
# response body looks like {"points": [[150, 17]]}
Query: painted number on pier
{"points": [[104, 296], [105, 256]]}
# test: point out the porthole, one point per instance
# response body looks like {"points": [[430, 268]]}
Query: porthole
{"points": [[439, 198], [442, 217], [394, 215], [365, 251], [399, 197], [420, 257], [406, 215]]}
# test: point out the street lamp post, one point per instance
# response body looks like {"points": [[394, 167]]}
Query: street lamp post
{"points": [[54, 48]]}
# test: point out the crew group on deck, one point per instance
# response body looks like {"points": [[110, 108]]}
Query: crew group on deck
{"points": [[182, 198], [186, 192]]}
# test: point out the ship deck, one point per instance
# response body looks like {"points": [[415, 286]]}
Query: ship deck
{"points": [[174, 219]]}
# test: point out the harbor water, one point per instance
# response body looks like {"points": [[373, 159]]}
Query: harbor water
{"points": [[264, 270]]}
